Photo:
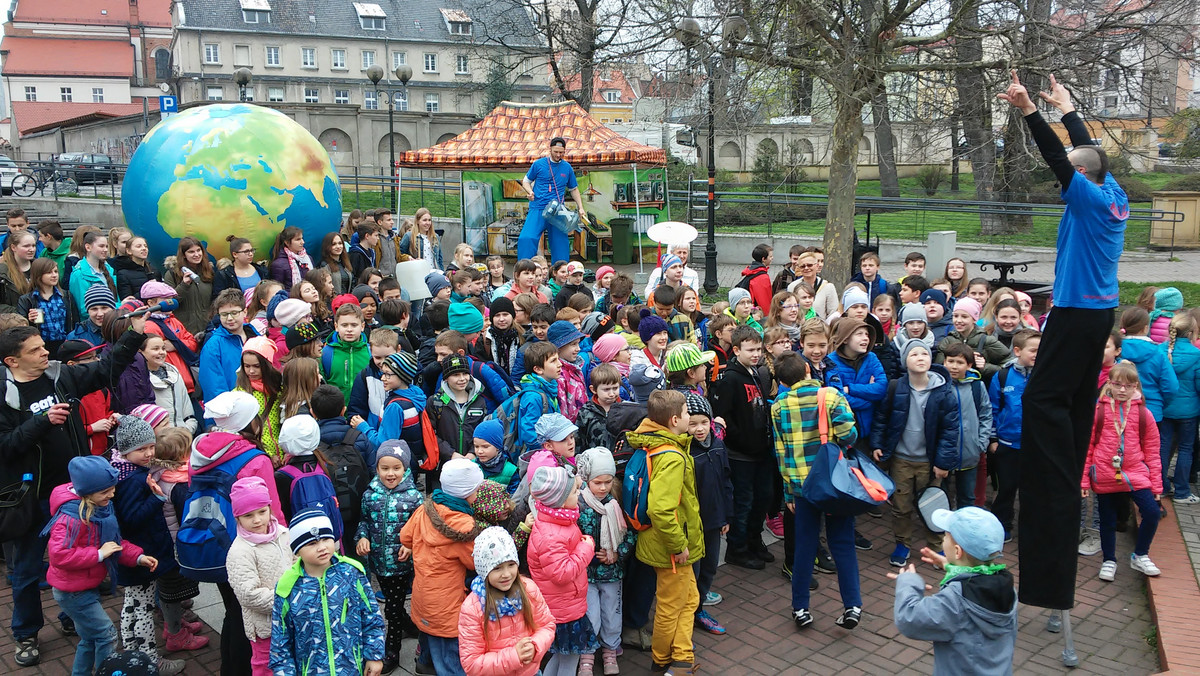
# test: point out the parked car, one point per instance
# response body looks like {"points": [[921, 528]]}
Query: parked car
{"points": [[8, 171], [87, 167]]}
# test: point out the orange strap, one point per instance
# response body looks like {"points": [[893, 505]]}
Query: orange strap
{"points": [[822, 415], [873, 488]]}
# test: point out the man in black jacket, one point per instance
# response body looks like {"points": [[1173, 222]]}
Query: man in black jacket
{"points": [[40, 431], [1091, 236], [739, 397]]}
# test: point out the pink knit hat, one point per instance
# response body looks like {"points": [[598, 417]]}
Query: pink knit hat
{"points": [[969, 306], [151, 413], [248, 494], [603, 270], [607, 347], [261, 346]]}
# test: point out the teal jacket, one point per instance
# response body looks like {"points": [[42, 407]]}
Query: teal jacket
{"points": [[82, 279]]}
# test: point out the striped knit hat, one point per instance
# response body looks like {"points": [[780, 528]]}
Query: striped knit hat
{"points": [[99, 294], [404, 365]]}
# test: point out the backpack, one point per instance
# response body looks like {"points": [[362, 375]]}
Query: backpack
{"points": [[635, 486], [348, 471], [623, 417], [207, 526], [477, 366], [429, 440], [507, 413], [312, 489]]}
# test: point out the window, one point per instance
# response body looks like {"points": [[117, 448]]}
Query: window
{"points": [[432, 102], [256, 16], [273, 57], [212, 53], [401, 100], [373, 23], [431, 63], [216, 93], [311, 95], [308, 57], [65, 94], [241, 55], [612, 96], [246, 93], [338, 59], [97, 94], [31, 93], [368, 58], [458, 22], [275, 94], [341, 96], [1110, 102], [462, 65], [399, 59], [369, 101], [162, 64], [460, 28], [371, 16]]}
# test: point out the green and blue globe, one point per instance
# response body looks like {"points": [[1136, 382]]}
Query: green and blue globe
{"points": [[229, 169]]}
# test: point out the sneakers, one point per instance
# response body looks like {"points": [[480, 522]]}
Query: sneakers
{"points": [[760, 552], [1108, 571], [1144, 565], [712, 598], [391, 662], [1008, 537], [850, 618], [184, 640], [899, 557], [786, 570], [1089, 542], [709, 623], [587, 664], [28, 653], [861, 543], [1191, 499], [824, 563], [802, 618], [744, 559], [775, 525], [609, 656], [170, 667]]}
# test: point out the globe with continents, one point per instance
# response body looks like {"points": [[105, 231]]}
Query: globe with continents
{"points": [[229, 169]]}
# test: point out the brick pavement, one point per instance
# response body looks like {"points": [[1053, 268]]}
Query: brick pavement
{"points": [[1110, 621]]}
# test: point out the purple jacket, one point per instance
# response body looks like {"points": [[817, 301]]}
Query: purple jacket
{"points": [[133, 388]]}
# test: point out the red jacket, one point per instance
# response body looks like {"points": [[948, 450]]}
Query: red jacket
{"points": [[558, 560], [79, 567], [92, 408], [1141, 465], [760, 285]]}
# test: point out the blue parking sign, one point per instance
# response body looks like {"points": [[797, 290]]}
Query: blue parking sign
{"points": [[168, 104]]}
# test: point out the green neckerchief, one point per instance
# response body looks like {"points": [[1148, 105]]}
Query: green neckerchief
{"points": [[457, 504], [953, 571]]}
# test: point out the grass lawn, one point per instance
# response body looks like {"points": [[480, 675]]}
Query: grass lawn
{"points": [[1190, 291], [440, 204]]}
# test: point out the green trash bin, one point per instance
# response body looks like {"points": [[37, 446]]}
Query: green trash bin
{"points": [[622, 242]]}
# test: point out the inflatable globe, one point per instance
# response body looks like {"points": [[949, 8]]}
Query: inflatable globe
{"points": [[229, 169]]}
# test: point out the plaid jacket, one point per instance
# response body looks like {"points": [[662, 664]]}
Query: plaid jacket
{"points": [[797, 435]]}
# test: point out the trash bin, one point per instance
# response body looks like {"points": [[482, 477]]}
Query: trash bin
{"points": [[621, 240]]}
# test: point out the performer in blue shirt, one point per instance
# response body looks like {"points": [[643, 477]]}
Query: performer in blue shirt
{"points": [[549, 178], [1060, 398]]}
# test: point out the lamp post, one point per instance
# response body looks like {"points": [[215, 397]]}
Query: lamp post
{"points": [[403, 73], [733, 30], [242, 77]]}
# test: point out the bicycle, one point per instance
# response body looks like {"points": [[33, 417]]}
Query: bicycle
{"points": [[40, 178]]}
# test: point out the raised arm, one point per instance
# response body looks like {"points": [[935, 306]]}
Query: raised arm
{"points": [[1047, 141]]}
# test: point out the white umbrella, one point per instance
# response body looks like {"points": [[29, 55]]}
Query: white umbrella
{"points": [[672, 232]]}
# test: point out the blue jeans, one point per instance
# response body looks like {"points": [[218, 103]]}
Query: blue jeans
{"points": [[97, 635], [27, 569], [1184, 431], [444, 654], [964, 487], [1148, 510], [531, 236], [752, 493], [839, 535]]}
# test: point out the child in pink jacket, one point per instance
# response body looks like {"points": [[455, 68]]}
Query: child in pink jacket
{"points": [[1123, 457], [504, 625], [559, 555], [85, 545]]}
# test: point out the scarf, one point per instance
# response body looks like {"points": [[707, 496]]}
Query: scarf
{"points": [[953, 571], [504, 342], [300, 263], [793, 331], [622, 368], [101, 516], [570, 515], [457, 504], [124, 468], [506, 606], [612, 519], [494, 465], [260, 538]]}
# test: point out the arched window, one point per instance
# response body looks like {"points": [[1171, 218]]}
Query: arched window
{"points": [[162, 64]]}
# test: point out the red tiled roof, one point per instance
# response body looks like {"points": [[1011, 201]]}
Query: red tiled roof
{"points": [[615, 80], [513, 135], [56, 57], [35, 116], [93, 12]]}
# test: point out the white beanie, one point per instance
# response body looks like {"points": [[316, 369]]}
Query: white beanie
{"points": [[493, 547], [460, 477], [913, 312], [299, 435], [231, 411]]}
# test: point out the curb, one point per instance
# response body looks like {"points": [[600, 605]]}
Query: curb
{"points": [[1174, 597]]}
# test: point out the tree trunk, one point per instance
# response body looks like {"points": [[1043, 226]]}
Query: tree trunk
{"points": [[843, 179], [975, 101], [1018, 153], [889, 182], [954, 171]]}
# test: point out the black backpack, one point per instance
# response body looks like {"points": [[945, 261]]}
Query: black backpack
{"points": [[348, 471], [623, 417]]}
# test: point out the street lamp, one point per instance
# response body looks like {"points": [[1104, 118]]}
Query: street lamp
{"points": [[688, 32], [403, 73], [242, 77]]}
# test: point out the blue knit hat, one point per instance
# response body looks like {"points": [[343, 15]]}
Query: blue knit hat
{"points": [[99, 294], [435, 282], [562, 333], [491, 431], [91, 474]]}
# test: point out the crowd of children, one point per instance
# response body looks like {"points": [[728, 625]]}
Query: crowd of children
{"points": [[581, 452]]}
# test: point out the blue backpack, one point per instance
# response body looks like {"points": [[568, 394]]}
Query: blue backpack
{"points": [[635, 489], [207, 526], [507, 413], [312, 489]]}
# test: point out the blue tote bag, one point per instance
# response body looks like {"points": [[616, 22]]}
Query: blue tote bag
{"points": [[840, 484]]}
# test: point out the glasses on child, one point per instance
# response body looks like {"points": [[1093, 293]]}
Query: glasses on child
{"points": [[232, 314], [789, 306]]}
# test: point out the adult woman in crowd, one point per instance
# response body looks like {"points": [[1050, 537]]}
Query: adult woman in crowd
{"points": [[422, 242], [193, 278], [244, 274], [334, 256]]}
